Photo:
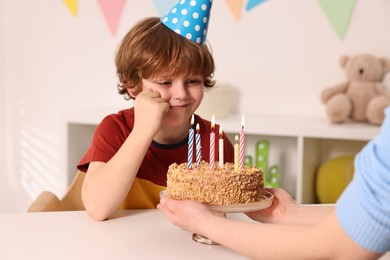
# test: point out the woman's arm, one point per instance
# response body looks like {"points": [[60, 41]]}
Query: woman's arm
{"points": [[266, 241], [285, 210]]}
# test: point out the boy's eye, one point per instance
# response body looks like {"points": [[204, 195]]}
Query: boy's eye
{"points": [[187, 82], [165, 83], [194, 81]]}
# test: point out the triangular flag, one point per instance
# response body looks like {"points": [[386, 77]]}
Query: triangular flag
{"points": [[112, 11], [72, 5], [164, 6], [253, 3], [235, 7], [338, 13]]}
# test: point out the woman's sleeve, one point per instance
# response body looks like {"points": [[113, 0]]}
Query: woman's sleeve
{"points": [[363, 210]]}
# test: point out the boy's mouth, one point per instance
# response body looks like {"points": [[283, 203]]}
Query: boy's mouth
{"points": [[178, 106]]}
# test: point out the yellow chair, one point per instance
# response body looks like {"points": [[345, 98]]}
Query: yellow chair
{"points": [[48, 201]]}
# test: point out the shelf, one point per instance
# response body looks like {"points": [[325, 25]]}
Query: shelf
{"points": [[298, 127]]}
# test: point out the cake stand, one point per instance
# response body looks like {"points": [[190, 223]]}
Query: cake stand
{"points": [[265, 202]]}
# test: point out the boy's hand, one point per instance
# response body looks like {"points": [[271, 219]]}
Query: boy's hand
{"points": [[149, 109]]}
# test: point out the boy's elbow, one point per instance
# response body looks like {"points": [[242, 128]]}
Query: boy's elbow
{"points": [[97, 213]]}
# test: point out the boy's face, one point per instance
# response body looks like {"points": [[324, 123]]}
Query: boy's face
{"points": [[183, 93]]}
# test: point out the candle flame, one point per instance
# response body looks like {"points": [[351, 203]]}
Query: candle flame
{"points": [[242, 121], [220, 132], [197, 128], [236, 138], [213, 121], [192, 121]]}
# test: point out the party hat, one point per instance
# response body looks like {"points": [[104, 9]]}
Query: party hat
{"points": [[190, 19]]}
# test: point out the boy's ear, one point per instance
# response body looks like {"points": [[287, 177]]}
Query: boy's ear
{"points": [[133, 91]]}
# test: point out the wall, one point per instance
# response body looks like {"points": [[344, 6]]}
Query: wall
{"points": [[2, 105], [278, 57]]}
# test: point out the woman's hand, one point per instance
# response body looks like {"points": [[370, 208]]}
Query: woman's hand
{"points": [[186, 214], [277, 213], [285, 210]]}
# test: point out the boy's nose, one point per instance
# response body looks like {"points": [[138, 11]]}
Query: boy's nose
{"points": [[179, 90]]}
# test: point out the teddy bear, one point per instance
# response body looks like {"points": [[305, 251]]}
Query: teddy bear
{"points": [[362, 97]]}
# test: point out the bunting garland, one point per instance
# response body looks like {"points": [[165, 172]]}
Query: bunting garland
{"points": [[112, 11], [253, 3], [163, 6], [235, 7], [338, 12], [72, 5]]}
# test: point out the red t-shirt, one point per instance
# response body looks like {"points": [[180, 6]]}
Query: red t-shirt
{"points": [[112, 132]]}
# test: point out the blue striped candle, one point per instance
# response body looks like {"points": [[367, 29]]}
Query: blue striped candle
{"points": [[190, 144]]}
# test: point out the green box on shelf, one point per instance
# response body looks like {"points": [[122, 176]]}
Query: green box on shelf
{"points": [[248, 161], [271, 175]]}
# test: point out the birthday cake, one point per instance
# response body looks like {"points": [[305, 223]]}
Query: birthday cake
{"points": [[223, 186]]}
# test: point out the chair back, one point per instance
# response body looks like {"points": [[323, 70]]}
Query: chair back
{"points": [[48, 201]]}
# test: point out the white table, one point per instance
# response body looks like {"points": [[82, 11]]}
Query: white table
{"points": [[130, 234]]}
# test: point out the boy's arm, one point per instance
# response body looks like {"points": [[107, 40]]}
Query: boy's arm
{"points": [[107, 184]]}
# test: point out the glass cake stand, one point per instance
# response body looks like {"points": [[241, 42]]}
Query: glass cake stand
{"points": [[264, 203]]}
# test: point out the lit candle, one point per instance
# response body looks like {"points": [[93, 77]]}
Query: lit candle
{"points": [[190, 144], [236, 154], [220, 147], [212, 144], [198, 146], [242, 142]]}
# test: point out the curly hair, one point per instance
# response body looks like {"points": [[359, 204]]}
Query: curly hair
{"points": [[150, 48]]}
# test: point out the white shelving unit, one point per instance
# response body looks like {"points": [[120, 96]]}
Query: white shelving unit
{"points": [[300, 144], [297, 144]]}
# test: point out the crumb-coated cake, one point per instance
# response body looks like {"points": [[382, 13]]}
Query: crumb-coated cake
{"points": [[223, 186]]}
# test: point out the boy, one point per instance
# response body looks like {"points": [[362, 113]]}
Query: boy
{"points": [[165, 70]]}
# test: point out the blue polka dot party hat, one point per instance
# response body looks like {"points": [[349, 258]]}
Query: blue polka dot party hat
{"points": [[190, 19]]}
